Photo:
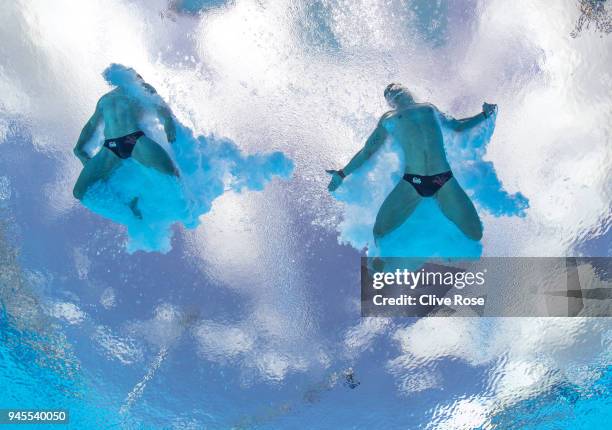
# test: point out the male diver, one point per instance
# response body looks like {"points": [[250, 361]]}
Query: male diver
{"points": [[120, 111], [416, 128]]}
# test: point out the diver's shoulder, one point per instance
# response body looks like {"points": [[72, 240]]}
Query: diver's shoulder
{"points": [[150, 88], [425, 107], [105, 99], [387, 115], [416, 108], [112, 94]]}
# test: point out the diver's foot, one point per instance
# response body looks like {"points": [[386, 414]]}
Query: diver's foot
{"points": [[375, 264], [134, 208], [378, 264]]}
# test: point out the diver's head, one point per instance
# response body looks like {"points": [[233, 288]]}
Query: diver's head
{"points": [[121, 76], [397, 95]]}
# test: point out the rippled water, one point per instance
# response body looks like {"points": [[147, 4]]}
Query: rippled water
{"points": [[251, 320]]}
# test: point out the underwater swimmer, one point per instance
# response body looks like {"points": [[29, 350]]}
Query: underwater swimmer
{"points": [[416, 128], [120, 111]]}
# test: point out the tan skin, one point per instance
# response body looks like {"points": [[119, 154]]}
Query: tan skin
{"points": [[120, 113], [416, 128]]}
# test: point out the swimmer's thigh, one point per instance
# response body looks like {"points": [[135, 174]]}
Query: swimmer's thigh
{"points": [[457, 206], [396, 208], [150, 154], [97, 169]]}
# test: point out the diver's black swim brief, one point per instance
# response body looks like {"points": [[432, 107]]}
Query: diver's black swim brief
{"points": [[123, 146], [427, 186]]}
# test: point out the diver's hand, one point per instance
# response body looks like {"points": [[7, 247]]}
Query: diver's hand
{"points": [[336, 180], [488, 109], [171, 134]]}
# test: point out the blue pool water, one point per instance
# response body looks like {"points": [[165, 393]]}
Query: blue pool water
{"points": [[249, 318]]}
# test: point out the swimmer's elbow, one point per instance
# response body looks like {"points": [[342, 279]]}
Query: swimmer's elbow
{"points": [[372, 147], [80, 154]]}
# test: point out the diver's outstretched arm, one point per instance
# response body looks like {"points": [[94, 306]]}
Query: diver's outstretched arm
{"points": [[164, 114], [88, 131], [467, 123], [373, 144]]}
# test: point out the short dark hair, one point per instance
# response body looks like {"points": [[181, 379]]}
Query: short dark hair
{"points": [[391, 87], [394, 89]]}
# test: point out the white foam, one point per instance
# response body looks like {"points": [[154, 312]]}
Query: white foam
{"points": [[68, 312]]}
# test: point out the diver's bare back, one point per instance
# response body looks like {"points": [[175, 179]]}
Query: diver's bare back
{"points": [[121, 114], [417, 130]]}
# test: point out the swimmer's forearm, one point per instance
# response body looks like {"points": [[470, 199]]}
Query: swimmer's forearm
{"points": [[467, 123], [86, 134], [372, 145], [168, 122], [356, 162], [170, 130]]}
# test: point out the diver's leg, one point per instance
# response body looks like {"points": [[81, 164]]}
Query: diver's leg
{"points": [[457, 206], [151, 154], [98, 168], [396, 208]]}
